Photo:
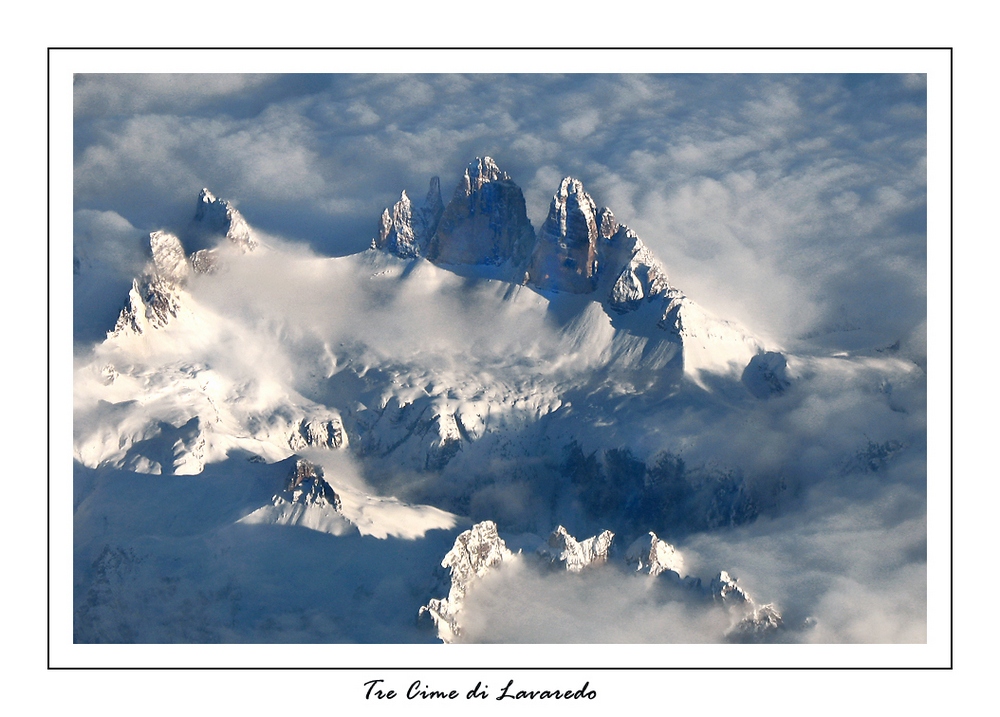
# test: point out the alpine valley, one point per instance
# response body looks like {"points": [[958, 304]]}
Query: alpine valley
{"points": [[474, 431]]}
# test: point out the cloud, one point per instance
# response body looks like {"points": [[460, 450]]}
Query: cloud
{"points": [[762, 193], [843, 570], [521, 603], [108, 252], [97, 95]]}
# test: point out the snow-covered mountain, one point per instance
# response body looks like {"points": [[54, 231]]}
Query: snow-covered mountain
{"points": [[480, 551], [463, 371]]}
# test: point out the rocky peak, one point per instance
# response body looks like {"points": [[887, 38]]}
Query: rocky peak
{"points": [[406, 231], [486, 222], [757, 625], [169, 260], [655, 556], [219, 216], [396, 230], [565, 256], [427, 217], [640, 274], [152, 303], [723, 587], [433, 198], [307, 485], [576, 555], [754, 623], [155, 295], [476, 552], [480, 171]]}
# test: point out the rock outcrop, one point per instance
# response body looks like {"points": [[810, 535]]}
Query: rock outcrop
{"points": [[476, 552], [396, 234], [565, 256], [307, 486], [766, 375], [155, 295], [485, 222], [219, 216], [654, 556], [563, 548]]}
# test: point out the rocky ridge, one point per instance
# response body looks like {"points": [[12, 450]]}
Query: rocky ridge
{"points": [[221, 217], [480, 550], [562, 548], [579, 249], [155, 297], [476, 552]]}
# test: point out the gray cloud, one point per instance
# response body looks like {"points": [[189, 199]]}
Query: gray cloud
{"points": [[96, 95]]}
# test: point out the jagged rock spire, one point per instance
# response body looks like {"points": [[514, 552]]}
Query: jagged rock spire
{"points": [[576, 555], [486, 222], [396, 230], [476, 552], [565, 257], [407, 230], [427, 217], [155, 295], [221, 217]]}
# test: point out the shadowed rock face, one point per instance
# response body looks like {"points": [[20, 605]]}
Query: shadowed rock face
{"points": [[486, 221], [406, 230], [427, 217], [565, 257], [155, 296], [477, 551], [766, 375], [219, 216]]}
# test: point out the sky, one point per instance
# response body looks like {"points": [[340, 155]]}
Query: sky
{"points": [[795, 204]]}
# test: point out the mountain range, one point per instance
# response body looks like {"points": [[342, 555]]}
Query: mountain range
{"points": [[465, 378]]}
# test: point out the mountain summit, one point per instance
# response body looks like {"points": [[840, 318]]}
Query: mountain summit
{"points": [[485, 223], [565, 256], [580, 249], [219, 216]]}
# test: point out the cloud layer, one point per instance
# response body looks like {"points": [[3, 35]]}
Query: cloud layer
{"points": [[794, 203]]}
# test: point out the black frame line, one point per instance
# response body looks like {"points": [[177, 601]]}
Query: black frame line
{"points": [[951, 337]]}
